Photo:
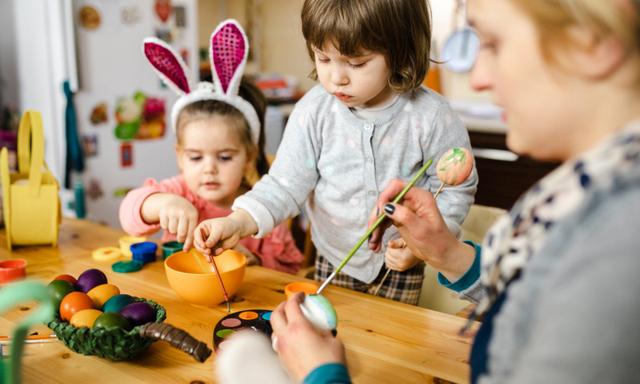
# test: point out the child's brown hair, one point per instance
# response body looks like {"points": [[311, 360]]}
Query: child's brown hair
{"points": [[206, 108], [399, 29]]}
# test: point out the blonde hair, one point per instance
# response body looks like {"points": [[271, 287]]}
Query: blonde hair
{"points": [[399, 29], [205, 109], [606, 18]]}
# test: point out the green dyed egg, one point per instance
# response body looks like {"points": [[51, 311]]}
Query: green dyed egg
{"points": [[117, 302], [58, 289], [111, 321]]}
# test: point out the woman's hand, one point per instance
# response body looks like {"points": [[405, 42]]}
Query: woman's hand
{"points": [[398, 257], [300, 345], [174, 213], [422, 227]]}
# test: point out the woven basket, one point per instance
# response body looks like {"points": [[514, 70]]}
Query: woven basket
{"points": [[114, 344]]}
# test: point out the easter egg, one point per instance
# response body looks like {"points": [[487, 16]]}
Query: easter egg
{"points": [[74, 302], [139, 313], [111, 320], [91, 278], [85, 318], [319, 311], [102, 293], [117, 302], [66, 277], [455, 166], [58, 289]]}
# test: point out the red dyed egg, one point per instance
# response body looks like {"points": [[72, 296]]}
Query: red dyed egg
{"points": [[66, 277]]}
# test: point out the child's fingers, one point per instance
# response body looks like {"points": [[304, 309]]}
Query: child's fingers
{"points": [[396, 243], [182, 230], [188, 241], [199, 236], [172, 224], [163, 221]]}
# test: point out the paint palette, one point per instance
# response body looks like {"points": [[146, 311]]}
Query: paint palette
{"points": [[253, 319]]}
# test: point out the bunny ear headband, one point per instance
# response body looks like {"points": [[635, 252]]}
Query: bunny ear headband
{"points": [[228, 54]]}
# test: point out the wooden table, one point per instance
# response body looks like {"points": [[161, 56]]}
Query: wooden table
{"points": [[386, 341]]}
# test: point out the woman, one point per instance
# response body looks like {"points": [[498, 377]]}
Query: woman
{"points": [[556, 280]]}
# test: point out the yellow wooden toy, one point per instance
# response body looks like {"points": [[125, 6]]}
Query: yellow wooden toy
{"points": [[30, 196]]}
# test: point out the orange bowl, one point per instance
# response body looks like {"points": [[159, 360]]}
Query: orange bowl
{"points": [[194, 280], [307, 287]]}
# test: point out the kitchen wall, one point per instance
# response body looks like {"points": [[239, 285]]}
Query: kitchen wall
{"points": [[275, 32]]}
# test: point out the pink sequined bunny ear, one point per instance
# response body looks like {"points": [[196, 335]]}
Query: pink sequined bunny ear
{"points": [[229, 51], [167, 64]]}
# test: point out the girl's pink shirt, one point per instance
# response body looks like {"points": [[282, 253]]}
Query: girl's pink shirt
{"points": [[277, 250]]}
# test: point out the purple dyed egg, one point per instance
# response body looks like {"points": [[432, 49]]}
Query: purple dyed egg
{"points": [[91, 278], [139, 313]]}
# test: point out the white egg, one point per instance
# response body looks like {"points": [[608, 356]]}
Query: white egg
{"points": [[319, 311]]}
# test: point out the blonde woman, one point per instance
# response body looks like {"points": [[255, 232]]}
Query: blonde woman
{"points": [[557, 279]]}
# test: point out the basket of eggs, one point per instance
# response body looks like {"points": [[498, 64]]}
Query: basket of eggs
{"points": [[94, 318]]}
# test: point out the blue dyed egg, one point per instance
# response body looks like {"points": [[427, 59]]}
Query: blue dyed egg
{"points": [[319, 311], [117, 302]]}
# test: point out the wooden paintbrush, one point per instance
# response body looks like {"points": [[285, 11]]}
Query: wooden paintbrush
{"points": [[215, 269], [375, 225]]}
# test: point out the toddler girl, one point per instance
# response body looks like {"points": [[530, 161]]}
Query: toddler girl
{"points": [[219, 152]]}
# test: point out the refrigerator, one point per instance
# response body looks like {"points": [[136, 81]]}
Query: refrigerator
{"points": [[121, 106]]}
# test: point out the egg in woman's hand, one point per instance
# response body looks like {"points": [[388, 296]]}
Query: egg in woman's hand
{"points": [[319, 311]]}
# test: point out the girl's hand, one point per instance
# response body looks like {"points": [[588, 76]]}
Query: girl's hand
{"points": [[422, 227], [175, 215], [301, 346], [223, 233], [398, 257]]}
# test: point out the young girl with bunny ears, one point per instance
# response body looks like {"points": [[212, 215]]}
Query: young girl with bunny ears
{"points": [[368, 121], [219, 151]]}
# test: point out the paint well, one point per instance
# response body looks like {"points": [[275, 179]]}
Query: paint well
{"points": [[224, 333], [231, 322], [248, 315], [266, 316]]}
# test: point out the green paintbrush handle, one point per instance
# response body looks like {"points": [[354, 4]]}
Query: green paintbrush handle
{"points": [[382, 216]]}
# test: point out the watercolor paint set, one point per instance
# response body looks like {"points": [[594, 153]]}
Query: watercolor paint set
{"points": [[253, 319]]}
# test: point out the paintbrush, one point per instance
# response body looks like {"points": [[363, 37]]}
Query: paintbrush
{"points": [[215, 269], [375, 225], [224, 290], [453, 168]]}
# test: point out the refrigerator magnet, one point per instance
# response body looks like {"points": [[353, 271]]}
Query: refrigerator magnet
{"points": [[126, 155], [94, 189], [99, 114], [180, 14], [163, 9], [90, 144], [130, 15], [89, 17]]}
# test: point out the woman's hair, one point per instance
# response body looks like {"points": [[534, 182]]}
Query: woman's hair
{"points": [[207, 108], [399, 29], [554, 19]]}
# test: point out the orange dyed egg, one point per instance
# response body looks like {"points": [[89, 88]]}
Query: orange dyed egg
{"points": [[455, 166], [74, 302], [85, 318], [102, 293]]}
